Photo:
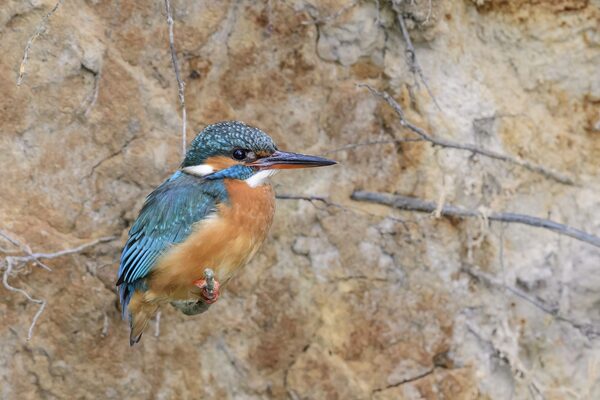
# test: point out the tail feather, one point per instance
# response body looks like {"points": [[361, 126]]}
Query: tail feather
{"points": [[140, 314], [126, 292]]}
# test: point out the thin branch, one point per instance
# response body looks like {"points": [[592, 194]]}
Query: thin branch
{"points": [[180, 83], [406, 380], [94, 96], [416, 204], [41, 28], [413, 64], [587, 330], [327, 202], [25, 250], [157, 325], [104, 332], [512, 360], [375, 142], [321, 199], [11, 261], [467, 147], [41, 302], [78, 249], [429, 11]]}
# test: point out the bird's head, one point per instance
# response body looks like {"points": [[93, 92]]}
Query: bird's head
{"points": [[235, 150]]}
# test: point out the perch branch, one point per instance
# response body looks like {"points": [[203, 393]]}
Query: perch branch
{"points": [[180, 83], [195, 307], [41, 28], [413, 63], [11, 261], [466, 147], [415, 204]]}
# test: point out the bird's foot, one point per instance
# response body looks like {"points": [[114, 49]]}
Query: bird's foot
{"points": [[209, 286]]}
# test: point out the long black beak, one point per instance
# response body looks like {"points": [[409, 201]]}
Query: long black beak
{"points": [[283, 160]]}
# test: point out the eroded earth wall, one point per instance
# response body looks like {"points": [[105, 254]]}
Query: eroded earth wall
{"points": [[346, 300]]}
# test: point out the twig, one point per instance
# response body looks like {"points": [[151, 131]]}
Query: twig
{"points": [[7, 286], [413, 64], [41, 27], [25, 250], [269, 18], [517, 367], [180, 83], [312, 199], [11, 261], [587, 330], [157, 325], [104, 332], [78, 249], [467, 147], [429, 11], [415, 204], [94, 96], [320, 199], [375, 142]]}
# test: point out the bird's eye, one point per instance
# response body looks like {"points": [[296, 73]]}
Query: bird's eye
{"points": [[239, 154]]}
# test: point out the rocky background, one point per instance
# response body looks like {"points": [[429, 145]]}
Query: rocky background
{"points": [[347, 300]]}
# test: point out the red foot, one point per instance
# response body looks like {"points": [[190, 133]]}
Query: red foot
{"points": [[206, 295]]}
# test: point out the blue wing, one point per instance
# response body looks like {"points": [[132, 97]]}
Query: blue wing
{"points": [[167, 217]]}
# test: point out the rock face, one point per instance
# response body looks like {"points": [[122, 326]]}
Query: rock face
{"points": [[346, 300]]}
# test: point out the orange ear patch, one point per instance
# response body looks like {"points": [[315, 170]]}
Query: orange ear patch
{"points": [[220, 162]]}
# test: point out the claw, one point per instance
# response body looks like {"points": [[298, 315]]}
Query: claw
{"points": [[210, 287]]}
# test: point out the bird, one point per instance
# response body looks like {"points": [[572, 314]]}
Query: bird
{"points": [[206, 220]]}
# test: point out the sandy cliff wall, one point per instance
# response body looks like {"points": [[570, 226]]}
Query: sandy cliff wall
{"points": [[345, 301]]}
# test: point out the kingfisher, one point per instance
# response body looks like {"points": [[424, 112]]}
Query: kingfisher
{"points": [[204, 223]]}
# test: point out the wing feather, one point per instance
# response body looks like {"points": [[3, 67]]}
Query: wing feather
{"points": [[167, 218]]}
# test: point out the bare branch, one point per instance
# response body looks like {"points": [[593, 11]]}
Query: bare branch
{"points": [[11, 261], [157, 325], [65, 252], [587, 330], [321, 199], [508, 355], [7, 286], [104, 332], [41, 28], [467, 147], [413, 64], [180, 83], [328, 203], [25, 250], [429, 10], [415, 204], [352, 146], [93, 98]]}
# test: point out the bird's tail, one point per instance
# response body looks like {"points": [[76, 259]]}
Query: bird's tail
{"points": [[141, 312]]}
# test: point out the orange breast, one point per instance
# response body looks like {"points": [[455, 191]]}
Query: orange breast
{"points": [[224, 243]]}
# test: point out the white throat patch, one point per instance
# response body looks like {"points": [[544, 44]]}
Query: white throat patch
{"points": [[260, 177], [199, 170]]}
